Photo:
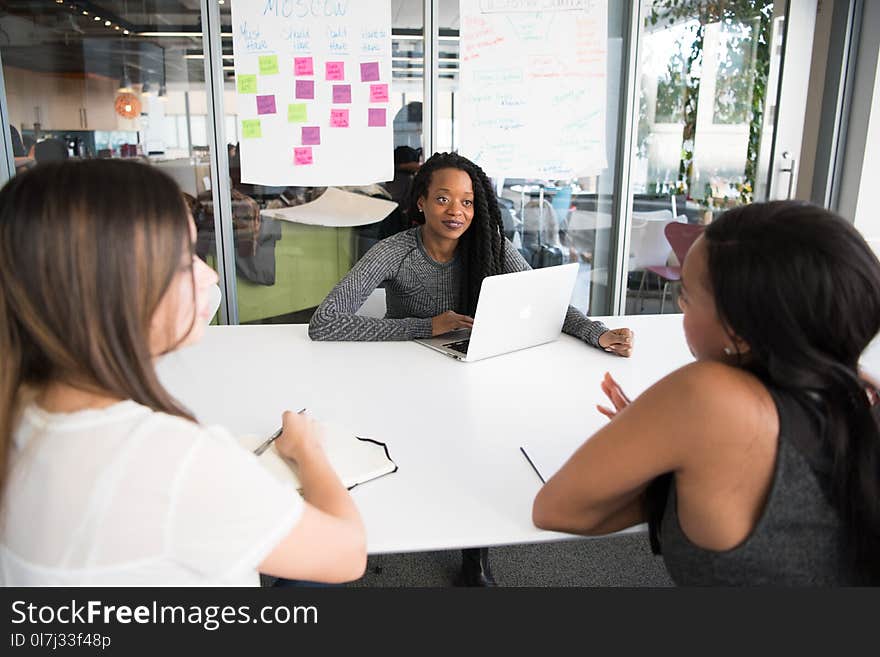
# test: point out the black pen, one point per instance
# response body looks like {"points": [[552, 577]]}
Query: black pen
{"points": [[531, 463], [262, 448]]}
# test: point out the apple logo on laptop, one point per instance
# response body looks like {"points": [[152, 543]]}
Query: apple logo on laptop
{"points": [[526, 313]]}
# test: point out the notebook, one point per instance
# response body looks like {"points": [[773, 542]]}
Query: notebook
{"points": [[355, 459]]}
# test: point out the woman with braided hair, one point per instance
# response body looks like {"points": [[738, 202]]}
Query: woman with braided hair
{"points": [[432, 275]]}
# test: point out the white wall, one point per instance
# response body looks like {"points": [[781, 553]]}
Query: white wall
{"points": [[858, 199], [867, 214]]}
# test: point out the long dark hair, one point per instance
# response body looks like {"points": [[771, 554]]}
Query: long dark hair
{"points": [[802, 288], [87, 251], [481, 247]]}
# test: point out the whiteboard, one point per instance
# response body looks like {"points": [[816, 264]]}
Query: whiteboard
{"points": [[533, 87], [313, 85]]}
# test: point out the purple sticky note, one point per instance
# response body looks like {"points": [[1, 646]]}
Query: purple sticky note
{"points": [[311, 136], [341, 93], [378, 93], [265, 104], [339, 118], [376, 117], [303, 66], [370, 72], [302, 155], [305, 89], [335, 70]]}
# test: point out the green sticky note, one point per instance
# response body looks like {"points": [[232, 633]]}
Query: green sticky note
{"points": [[247, 84], [296, 113], [250, 129], [269, 65]]}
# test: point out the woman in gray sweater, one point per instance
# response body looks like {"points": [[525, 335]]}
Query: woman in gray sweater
{"points": [[432, 276]]}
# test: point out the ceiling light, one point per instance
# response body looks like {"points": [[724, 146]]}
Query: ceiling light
{"points": [[107, 23], [97, 18], [146, 89]]}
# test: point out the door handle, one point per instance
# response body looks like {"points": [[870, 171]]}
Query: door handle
{"points": [[790, 171]]}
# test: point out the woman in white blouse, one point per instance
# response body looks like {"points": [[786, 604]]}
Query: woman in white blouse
{"points": [[106, 479]]}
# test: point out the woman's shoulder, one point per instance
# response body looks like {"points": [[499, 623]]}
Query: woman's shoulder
{"points": [[393, 248], [728, 400]]}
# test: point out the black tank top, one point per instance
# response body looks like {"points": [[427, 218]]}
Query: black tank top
{"points": [[798, 539]]}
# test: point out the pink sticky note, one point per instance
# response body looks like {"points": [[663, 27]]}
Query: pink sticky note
{"points": [[311, 136], [302, 155], [378, 93], [341, 93], [376, 117], [339, 118], [370, 72], [305, 89], [265, 104], [335, 70], [303, 66]]}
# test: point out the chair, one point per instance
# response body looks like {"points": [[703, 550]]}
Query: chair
{"points": [[680, 237]]}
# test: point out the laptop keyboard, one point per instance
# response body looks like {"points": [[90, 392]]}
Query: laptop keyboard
{"points": [[461, 346]]}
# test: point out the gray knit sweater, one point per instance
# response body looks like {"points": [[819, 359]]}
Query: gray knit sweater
{"points": [[417, 288]]}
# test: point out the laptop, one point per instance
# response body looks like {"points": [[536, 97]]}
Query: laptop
{"points": [[515, 311]]}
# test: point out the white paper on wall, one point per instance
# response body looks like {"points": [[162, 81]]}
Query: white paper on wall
{"points": [[533, 86], [313, 84]]}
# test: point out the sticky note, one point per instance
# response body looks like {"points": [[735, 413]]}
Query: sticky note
{"points": [[265, 104], [311, 136], [370, 72], [268, 64], [247, 84], [376, 117], [335, 70], [339, 118], [378, 93], [302, 155], [296, 113], [305, 89], [250, 129], [303, 66], [341, 93]]}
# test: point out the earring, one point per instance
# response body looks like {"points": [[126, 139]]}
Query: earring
{"points": [[728, 351]]}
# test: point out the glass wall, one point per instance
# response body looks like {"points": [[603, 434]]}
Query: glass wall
{"points": [[708, 74], [107, 80], [284, 269], [551, 221]]}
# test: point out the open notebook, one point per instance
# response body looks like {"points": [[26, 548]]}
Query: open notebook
{"points": [[355, 459]]}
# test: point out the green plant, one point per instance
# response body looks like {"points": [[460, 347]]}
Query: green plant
{"points": [[735, 80]]}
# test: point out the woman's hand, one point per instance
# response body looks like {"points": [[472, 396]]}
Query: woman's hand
{"points": [[300, 436], [450, 321], [617, 341], [615, 393]]}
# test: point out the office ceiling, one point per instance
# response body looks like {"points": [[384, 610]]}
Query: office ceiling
{"points": [[72, 37]]}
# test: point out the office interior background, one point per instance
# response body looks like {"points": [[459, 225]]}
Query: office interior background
{"points": [[709, 105]]}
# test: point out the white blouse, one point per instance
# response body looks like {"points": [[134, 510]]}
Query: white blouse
{"points": [[128, 496]]}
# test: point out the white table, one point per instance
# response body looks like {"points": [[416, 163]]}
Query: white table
{"points": [[454, 429]]}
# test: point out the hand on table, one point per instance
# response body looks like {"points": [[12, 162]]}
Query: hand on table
{"points": [[615, 393], [617, 341], [450, 321]]}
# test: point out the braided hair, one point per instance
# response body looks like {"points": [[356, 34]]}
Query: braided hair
{"points": [[481, 248]]}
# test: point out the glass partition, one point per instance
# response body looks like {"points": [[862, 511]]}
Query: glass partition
{"points": [[109, 80]]}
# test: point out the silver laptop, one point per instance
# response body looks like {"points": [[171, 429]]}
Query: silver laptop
{"points": [[515, 311]]}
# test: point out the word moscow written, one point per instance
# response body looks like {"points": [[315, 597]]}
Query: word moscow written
{"points": [[210, 617]]}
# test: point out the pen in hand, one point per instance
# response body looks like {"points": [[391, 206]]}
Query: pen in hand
{"points": [[265, 445]]}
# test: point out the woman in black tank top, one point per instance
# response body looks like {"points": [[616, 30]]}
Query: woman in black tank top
{"points": [[759, 463]]}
